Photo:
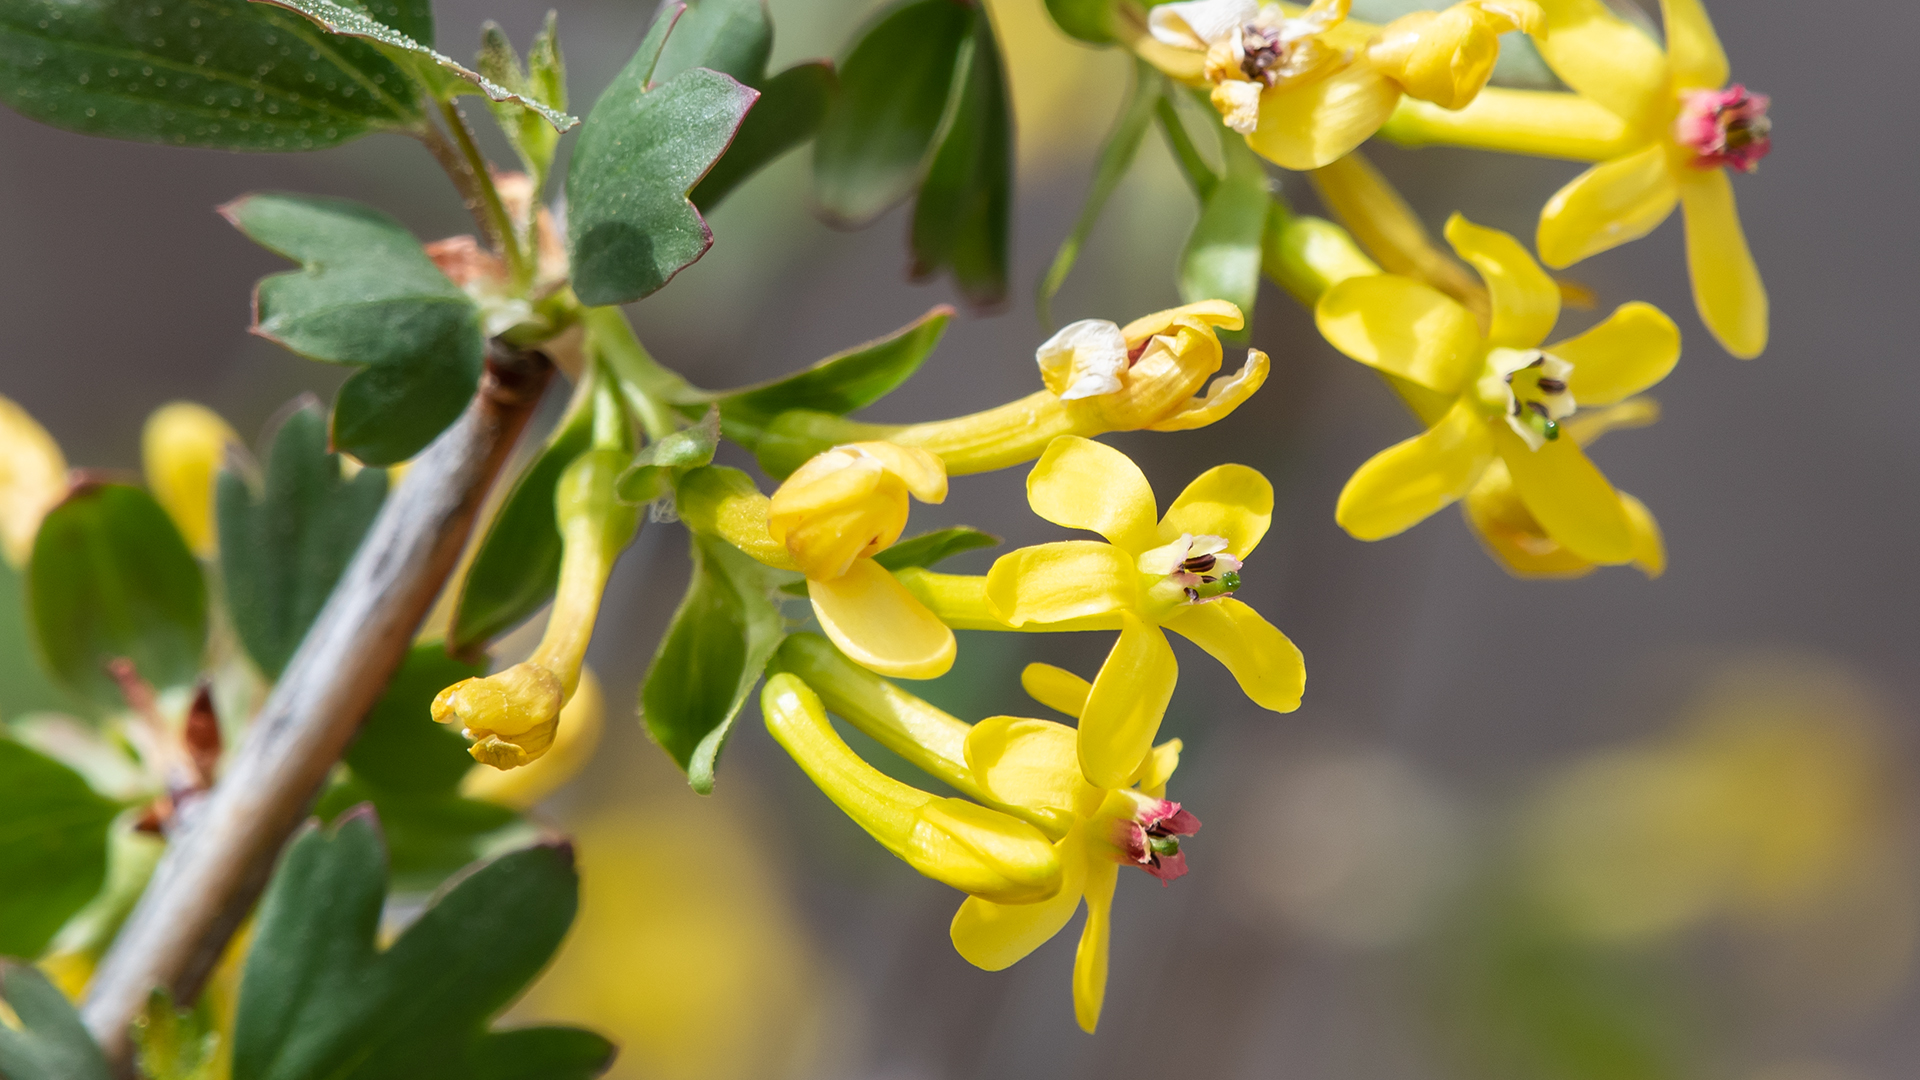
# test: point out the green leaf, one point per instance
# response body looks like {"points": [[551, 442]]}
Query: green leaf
{"points": [[366, 295], [282, 550], [24, 686], [1089, 20], [53, 847], [533, 139], [212, 73], [518, 565], [962, 220], [792, 106], [1222, 257], [630, 225], [732, 37], [430, 837], [930, 548], [726, 628], [50, 1043], [355, 23], [653, 470], [177, 1044], [872, 148], [400, 748], [1200, 175], [319, 998], [1116, 157], [111, 577]]}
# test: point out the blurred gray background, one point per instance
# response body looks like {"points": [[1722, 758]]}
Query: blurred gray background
{"points": [[1366, 900]]}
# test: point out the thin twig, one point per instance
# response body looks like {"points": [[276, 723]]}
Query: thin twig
{"points": [[224, 852]]}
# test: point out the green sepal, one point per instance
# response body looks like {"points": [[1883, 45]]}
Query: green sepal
{"points": [[366, 295], [53, 848], [51, 1043], [283, 548], [962, 222], [111, 577], [653, 469], [224, 74], [431, 67], [1116, 157], [726, 628], [320, 998], [1221, 260], [872, 148]]}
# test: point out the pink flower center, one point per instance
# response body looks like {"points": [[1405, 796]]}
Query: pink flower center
{"points": [[1725, 127], [1151, 838]]}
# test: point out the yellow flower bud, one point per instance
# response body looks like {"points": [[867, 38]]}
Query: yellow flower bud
{"points": [[33, 477], [982, 852], [510, 716], [182, 449], [573, 743], [850, 503], [1447, 56]]}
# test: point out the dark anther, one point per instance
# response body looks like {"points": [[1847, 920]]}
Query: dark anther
{"points": [[1193, 595], [1199, 564], [1263, 53], [1539, 408], [1553, 386]]}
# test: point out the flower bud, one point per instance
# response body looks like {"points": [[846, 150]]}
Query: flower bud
{"points": [[182, 449], [1447, 56], [33, 477], [850, 503], [510, 716], [574, 739]]}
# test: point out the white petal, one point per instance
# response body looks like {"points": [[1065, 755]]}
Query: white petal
{"points": [[1195, 24], [1085, 358]]}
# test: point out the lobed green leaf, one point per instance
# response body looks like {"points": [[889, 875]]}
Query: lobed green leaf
{"points": [[792, 106], [53, 848], [962, 221], [51, 1043]]}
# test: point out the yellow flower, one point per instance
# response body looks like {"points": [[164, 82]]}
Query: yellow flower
{"points": [[1505, 396], [979, 851], [512, 715], [1035, 763], [33, 477], [1307, 87], [574, 739], [1661, 125], [1099, 378], [182, 449], [832, 515], [1173, 573]]}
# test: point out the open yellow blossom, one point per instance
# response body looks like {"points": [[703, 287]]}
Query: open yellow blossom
{"points": [[512, 715], [33, 477], [1497, 514], [1175, 573], [1099, 377], [1509, 395], [181, 450], [1663, 125], [1307, 87]]}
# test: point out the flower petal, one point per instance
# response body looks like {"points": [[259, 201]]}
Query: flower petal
{"points": [[1726, 284], [1128, 701], [1158, 768], [1649, 549], [923, 472], [879, 625], [1606, 206], [1196, 24], [1404, 484], [1090, 959], [1633, 349], [1602, 56], [1049, 583], [1319, 122], [1083, 359], [1526, 302], [1568, 496], [1230, 501], [994, 936], [1266, 664], [1402, 327], [1056, 688], [33, 477], [1200, 313], [1083, 484], [1223, 396], [1025, 762], [1693, 49]]}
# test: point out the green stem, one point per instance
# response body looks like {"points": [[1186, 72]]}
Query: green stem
{"points": [[490, 211], [649, 388], [1195, 167]]}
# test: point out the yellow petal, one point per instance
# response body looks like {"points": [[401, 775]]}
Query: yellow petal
{"points": [[1526, 302], [1224, 395], [1050, 583], [33, 477], [1510, 534], [574, 740], [1090, 959], [1726, 284], [1633, 349], [1128, 701], [879, 625], [1446, 57], [1031, 763], [1158, 768], [1268, 666], [182, 448], [1056, 688], [1603, 57], [996, 936], [1568, 496], [1313, 124], [1606, 206], [1693, 49], [983, 852], [1403, 485], [921, 471], [1220, 313], [1230, 501], [1403, 328], [1082, 484], [1649, 549], [1543, 122]]}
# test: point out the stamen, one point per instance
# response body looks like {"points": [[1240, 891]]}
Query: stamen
{"points": [[1553, 386]]}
